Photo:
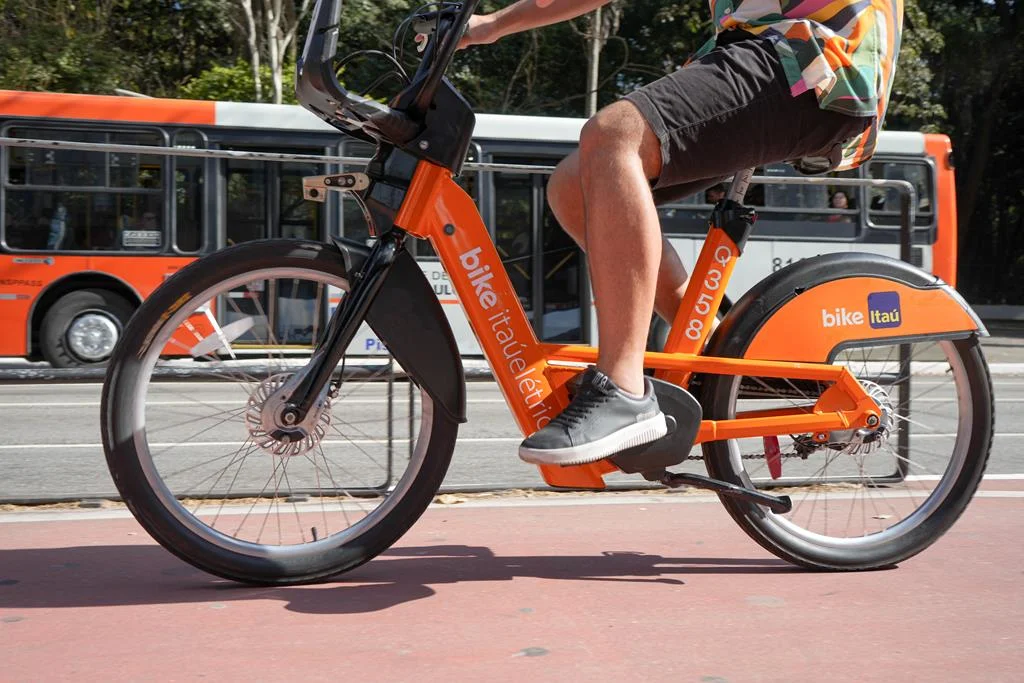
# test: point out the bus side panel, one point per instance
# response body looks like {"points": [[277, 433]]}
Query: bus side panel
{"points": [[25, 278], [944, 252], [20, 285]]}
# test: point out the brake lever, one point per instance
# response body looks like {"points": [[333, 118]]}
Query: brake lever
{"points": [[421, 40]]}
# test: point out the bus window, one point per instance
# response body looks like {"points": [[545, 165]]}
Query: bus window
{"points": [[687, 216], [804, 210], [56, 167], [83, 221], [884, 206], [513, 234], [135, 170], [188, 194], [298, 218], [66, 200], [246, 200]]}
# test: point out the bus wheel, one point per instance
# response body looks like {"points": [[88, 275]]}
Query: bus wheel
{"points": [[83, 327]]}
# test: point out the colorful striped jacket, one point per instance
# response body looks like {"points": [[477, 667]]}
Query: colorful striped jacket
{"points": [[844, 50]]}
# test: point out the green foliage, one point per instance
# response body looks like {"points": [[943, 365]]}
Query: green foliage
{"points": [[234, 83], [95, 46], [914, 104]]}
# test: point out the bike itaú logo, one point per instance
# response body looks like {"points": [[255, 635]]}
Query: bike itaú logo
{"points": [[840, 317], [526, 378], [883, 311]]}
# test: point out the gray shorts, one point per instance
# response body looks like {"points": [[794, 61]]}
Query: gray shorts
{"points": [[730, 110]]}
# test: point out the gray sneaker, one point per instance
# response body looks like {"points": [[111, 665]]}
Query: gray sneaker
{"points": [[600, 421]]}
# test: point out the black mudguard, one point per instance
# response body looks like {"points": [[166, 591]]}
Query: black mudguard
{"points": [[408, 318]]}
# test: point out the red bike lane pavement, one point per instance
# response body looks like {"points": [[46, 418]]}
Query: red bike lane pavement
{"points": [[618, 587]]}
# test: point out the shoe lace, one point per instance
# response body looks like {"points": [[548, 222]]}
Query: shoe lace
{"points": [[582, 404]]}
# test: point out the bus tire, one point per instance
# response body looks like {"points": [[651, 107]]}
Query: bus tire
{"points": [[82, 328]]}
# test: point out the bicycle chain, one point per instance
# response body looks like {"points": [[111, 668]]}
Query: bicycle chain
{"points": [[754, 456]]}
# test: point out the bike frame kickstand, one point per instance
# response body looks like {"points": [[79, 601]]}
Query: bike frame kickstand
{"points": [[676, 479]]}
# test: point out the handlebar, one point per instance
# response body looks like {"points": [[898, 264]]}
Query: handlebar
{"points": [[449, 43], [318, 89]]}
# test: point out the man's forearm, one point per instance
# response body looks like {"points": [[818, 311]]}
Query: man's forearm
{"points": [[529, 14]]}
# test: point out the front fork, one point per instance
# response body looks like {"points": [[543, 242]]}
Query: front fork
{"points": [[345, 321]]}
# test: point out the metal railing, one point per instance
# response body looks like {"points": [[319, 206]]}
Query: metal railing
{"points": [[356, 372]]}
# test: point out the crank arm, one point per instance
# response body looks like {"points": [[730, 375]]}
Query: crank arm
{"points": [[774, 503]]}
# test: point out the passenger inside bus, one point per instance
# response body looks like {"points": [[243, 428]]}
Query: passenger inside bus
{"points": [[839, 200]]}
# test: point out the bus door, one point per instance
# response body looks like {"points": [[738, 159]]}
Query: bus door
{"points": [[263, 199], [545, 265]]}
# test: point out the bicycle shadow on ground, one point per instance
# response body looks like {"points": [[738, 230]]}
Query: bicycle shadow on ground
{"points": [[103, 576]]}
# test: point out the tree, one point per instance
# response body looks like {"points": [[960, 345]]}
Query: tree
{"points": [[270, 28], [977, 73], [914, 104], [97, 46], [234, 84]]}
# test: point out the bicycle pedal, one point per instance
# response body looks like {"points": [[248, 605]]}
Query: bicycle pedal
{"points": [[683, 414]]}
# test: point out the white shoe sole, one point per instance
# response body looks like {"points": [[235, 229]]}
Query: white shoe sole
{"points": [[638, 434]]}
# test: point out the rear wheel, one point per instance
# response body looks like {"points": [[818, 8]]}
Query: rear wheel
{"points": [[205, 464], [863, 500]]}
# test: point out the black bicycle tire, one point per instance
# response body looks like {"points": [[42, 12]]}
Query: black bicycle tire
{"points": [[126, 470], [716, 394]]}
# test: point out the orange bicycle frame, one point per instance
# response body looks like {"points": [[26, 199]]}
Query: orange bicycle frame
{"points": [[531, 375]]}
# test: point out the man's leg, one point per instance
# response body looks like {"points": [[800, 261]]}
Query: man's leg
{"points": [[618, 153], [615, 406], [565, 196]]}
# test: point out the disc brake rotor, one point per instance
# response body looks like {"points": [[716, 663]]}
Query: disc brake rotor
{"points": [[263, 418]]}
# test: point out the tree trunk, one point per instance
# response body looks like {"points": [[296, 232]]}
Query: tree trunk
{"points": [[593, 62], [604, 22], [272, 25], [253, 44]]}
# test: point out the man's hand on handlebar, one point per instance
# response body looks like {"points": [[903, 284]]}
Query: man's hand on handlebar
{"points": [[481, 30]]}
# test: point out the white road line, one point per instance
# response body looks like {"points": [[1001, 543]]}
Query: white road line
{"points": [[1017, 399], [482, 439], [235, 444], [240, 404], [988, 477]]}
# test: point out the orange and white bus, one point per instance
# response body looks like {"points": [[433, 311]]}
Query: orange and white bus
{"points": [[86, 235]]}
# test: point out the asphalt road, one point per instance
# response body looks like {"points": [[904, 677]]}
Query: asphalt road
{"points": [[51, 443]]}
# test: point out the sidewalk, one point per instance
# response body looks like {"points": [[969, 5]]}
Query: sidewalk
{"points": [[657, 587]]}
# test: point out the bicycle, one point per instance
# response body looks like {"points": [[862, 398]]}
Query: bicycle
{"points": [[839, 393]]}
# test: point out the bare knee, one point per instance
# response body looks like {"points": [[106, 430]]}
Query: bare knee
{"points": [[619, 132]]}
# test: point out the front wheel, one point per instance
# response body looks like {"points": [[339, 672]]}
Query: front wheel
{"points": [[196, 453]]}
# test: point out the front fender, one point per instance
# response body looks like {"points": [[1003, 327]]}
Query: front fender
{"points": [[408, 318]]}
